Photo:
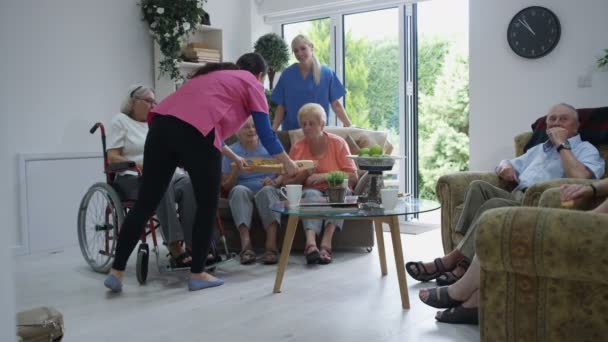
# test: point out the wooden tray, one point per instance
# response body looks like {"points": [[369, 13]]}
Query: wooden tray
{"points": [[266, 165]]}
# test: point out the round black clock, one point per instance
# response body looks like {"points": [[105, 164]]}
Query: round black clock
{"points": [[533, 32]]}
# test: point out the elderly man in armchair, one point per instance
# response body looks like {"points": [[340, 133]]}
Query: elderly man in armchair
{"points": [[562, 155]]}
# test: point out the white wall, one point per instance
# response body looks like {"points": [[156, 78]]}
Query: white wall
{"points": [[234, 18], [508, 92], [66, 64]]}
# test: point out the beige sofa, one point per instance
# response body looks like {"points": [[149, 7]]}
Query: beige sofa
{"points": [[451, 188], [544, 273], [355, 233]]}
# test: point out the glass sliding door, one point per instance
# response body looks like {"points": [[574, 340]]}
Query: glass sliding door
{"points": [[443, 106], [371, 75]]}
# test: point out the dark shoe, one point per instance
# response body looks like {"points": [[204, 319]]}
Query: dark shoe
{"points": [[312, 254], [459, 315], [449, 278], [417, 270], [178, 261], [439, 298], [271, 257], [247, 257], [325, 255]]}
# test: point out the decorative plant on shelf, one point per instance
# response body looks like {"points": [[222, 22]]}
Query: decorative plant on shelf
{"points": [[275, 51], [603, 61], [169, 22]]}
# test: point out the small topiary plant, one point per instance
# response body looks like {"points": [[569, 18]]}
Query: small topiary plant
{"points": [[336, 179]]}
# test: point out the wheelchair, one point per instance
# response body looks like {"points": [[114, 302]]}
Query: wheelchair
{"points": [[101, 214]]}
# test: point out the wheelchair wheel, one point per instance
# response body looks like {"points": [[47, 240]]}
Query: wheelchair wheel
{"points": [[99, 217], [141, 268]]}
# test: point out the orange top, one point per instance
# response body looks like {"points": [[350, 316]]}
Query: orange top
{"points": [[334, 158]]}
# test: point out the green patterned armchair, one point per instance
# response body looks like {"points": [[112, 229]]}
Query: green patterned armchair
{"points": [[451, 189], [544, 273]]}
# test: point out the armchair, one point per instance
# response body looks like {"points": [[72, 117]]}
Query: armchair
{"points": [[451, 189], [544, 273]]}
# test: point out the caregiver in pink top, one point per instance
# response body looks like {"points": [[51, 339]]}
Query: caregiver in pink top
{"points": [[188, 128]]}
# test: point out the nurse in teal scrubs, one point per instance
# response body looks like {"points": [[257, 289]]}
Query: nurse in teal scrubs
{"points": [[304, 82]]}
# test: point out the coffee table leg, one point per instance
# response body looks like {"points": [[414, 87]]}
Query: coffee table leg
{"points": [[380, 241], [396, 237], [292, 224]]}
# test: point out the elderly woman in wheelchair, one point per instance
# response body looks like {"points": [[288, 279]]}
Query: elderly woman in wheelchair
{"points": [[126, 138]]}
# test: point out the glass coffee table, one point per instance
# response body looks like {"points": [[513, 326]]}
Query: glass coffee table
{"points": [[405, 206]]}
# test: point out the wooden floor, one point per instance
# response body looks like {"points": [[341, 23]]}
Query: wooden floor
{"points": [[345, 301]]}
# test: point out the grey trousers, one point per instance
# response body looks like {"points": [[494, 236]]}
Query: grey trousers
{"points": [[311, 196], [241, 200], [179, 193], [480, 197]]}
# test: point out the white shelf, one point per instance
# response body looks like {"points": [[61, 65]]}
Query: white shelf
{"points": [[209, 35], [190, 65]]}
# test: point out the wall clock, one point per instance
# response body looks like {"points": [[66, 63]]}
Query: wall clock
{"points": [[533, 32]]}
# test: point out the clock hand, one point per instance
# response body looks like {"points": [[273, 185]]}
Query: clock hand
{"points": [[526, 25]]}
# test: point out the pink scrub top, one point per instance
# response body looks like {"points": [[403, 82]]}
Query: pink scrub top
{"points": [[220, 100]]}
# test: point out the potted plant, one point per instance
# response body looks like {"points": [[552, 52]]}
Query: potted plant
{"points": [[603, 61], [336, 191], [169, 21], [275, 51]]}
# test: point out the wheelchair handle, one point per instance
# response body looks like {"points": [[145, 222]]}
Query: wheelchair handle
{"points": [[94, 128]]}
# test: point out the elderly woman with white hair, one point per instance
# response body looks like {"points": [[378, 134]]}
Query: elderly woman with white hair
{"points": [[306, 81], [126, 138], [330, 152]]}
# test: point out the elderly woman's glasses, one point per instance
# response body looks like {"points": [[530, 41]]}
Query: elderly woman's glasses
{"points": [[151, 102]]}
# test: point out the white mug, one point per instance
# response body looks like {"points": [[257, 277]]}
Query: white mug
{"points": [[293, 194], [389, 198]]}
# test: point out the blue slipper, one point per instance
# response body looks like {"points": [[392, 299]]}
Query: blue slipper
{"points": [[196, 284], [113, 283]]}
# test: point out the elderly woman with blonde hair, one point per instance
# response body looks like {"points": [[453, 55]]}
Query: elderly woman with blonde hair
{"points": [[126, 138], [306, 81], [330, 152]]}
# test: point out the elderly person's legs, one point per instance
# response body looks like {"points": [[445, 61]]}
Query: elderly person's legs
{"points": [[312, 228], [174, 229], [461, 298], [480, 197], [264, 199], [240, 200]]}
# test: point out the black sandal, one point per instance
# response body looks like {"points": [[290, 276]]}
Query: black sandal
{"points": [[313, 256], [439, 298], [420, 272], [178, 261], [459, 315], [449, 278], [248, 257]]}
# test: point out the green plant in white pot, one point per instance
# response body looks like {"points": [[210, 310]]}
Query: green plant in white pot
{"points": [[336, 190]]}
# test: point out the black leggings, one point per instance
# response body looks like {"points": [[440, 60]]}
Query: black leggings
{"points": [[171, 142]]}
